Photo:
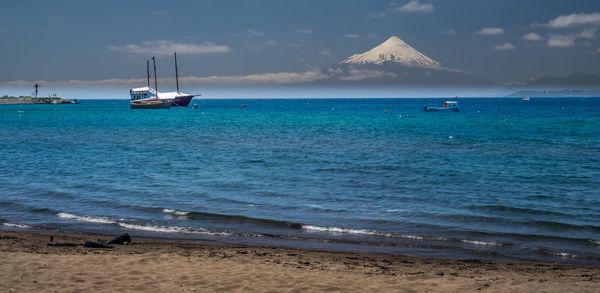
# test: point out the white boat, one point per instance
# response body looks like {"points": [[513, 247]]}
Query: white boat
{"points": [[146, 97], [525, 99], [177, 98], [448, 106]]}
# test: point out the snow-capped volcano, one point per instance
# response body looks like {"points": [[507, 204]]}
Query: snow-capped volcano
{"points": [[394, 50]]}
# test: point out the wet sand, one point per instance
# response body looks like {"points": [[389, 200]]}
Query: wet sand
{"points": [[28, 265]]}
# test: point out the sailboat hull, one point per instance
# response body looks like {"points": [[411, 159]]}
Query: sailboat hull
{"points": [[182, 101], [150, 104]]}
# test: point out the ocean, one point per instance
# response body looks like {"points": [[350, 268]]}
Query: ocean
{"points": [[501, 179]]}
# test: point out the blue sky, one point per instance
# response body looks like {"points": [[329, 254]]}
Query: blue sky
{"points": [[107, 42]]}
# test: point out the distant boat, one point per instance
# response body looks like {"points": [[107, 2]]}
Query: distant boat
{"points": [[146, 97], [178, 99], [525, 99], [448, 106]]}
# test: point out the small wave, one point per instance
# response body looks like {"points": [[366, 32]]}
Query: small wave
{"points": [[565, 255], [336, 230], [22, 226], [482, 243], [171, 229], [594, 242], [149, 228], [314, 206], [89, 219], [395, 210], [175, 212]]}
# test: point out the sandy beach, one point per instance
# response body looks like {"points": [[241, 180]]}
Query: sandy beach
{"points": [[29, 264]]}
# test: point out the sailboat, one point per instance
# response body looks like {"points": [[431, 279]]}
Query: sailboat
{"points": [[178, 99], [146, 97]]}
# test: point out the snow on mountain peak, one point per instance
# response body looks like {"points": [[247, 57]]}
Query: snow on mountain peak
{"points": [[394, 50]]}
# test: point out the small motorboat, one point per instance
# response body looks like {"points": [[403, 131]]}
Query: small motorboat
{"points": [[525, 99], [448, 106]]}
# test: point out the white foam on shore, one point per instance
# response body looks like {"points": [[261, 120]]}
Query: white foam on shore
{"points": [[171, 229], [149, 228], [175, 212], [89, 219], [22, 226], [482, 243], [565, 255], [336, 230]]}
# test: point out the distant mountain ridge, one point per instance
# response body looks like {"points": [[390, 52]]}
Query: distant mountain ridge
{"points": [[575, 79]]}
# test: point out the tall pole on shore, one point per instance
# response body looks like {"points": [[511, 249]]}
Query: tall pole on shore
{"points": [[148, 72], [176, 73], [155, 80]]}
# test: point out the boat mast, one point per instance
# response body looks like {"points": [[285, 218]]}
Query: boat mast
{"points": [[155, 81], [148, 72], [176, 73]]}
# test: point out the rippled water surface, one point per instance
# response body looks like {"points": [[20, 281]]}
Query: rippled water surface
{"points": [[501, 179]]}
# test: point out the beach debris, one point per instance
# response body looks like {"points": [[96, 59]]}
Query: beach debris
{"points": [[123, 239], [96, 244]]}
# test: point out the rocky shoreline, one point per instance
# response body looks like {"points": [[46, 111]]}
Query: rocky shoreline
{"points": [[32, 100]]}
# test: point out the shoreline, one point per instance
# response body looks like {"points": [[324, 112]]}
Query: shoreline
{"points": [[159, 265]]}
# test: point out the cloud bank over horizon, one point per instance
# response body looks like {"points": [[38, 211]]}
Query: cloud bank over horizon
{"points": [[167, 47]]}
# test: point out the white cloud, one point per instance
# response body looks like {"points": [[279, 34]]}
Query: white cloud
{"points": [[504, 47], [304, 31], [589, 33], [568, 40], [532, 37], [167, 47], [415, 6], [450, 32], [561, 41], [265, 78], [271, 42], [360, 74], [253, 79], [325, 52], [352, 36], [490, 31], [52, 19], [376, 15], [575, 19], [335, 71], [255, 33]]}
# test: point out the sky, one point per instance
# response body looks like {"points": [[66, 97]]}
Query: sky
{"points": [[262, 43]]}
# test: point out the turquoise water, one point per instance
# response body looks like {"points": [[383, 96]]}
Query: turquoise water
{"points": [[501, 179]]}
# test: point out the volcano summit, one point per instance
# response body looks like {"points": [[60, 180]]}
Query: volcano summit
{"points": [[396, 62]]}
